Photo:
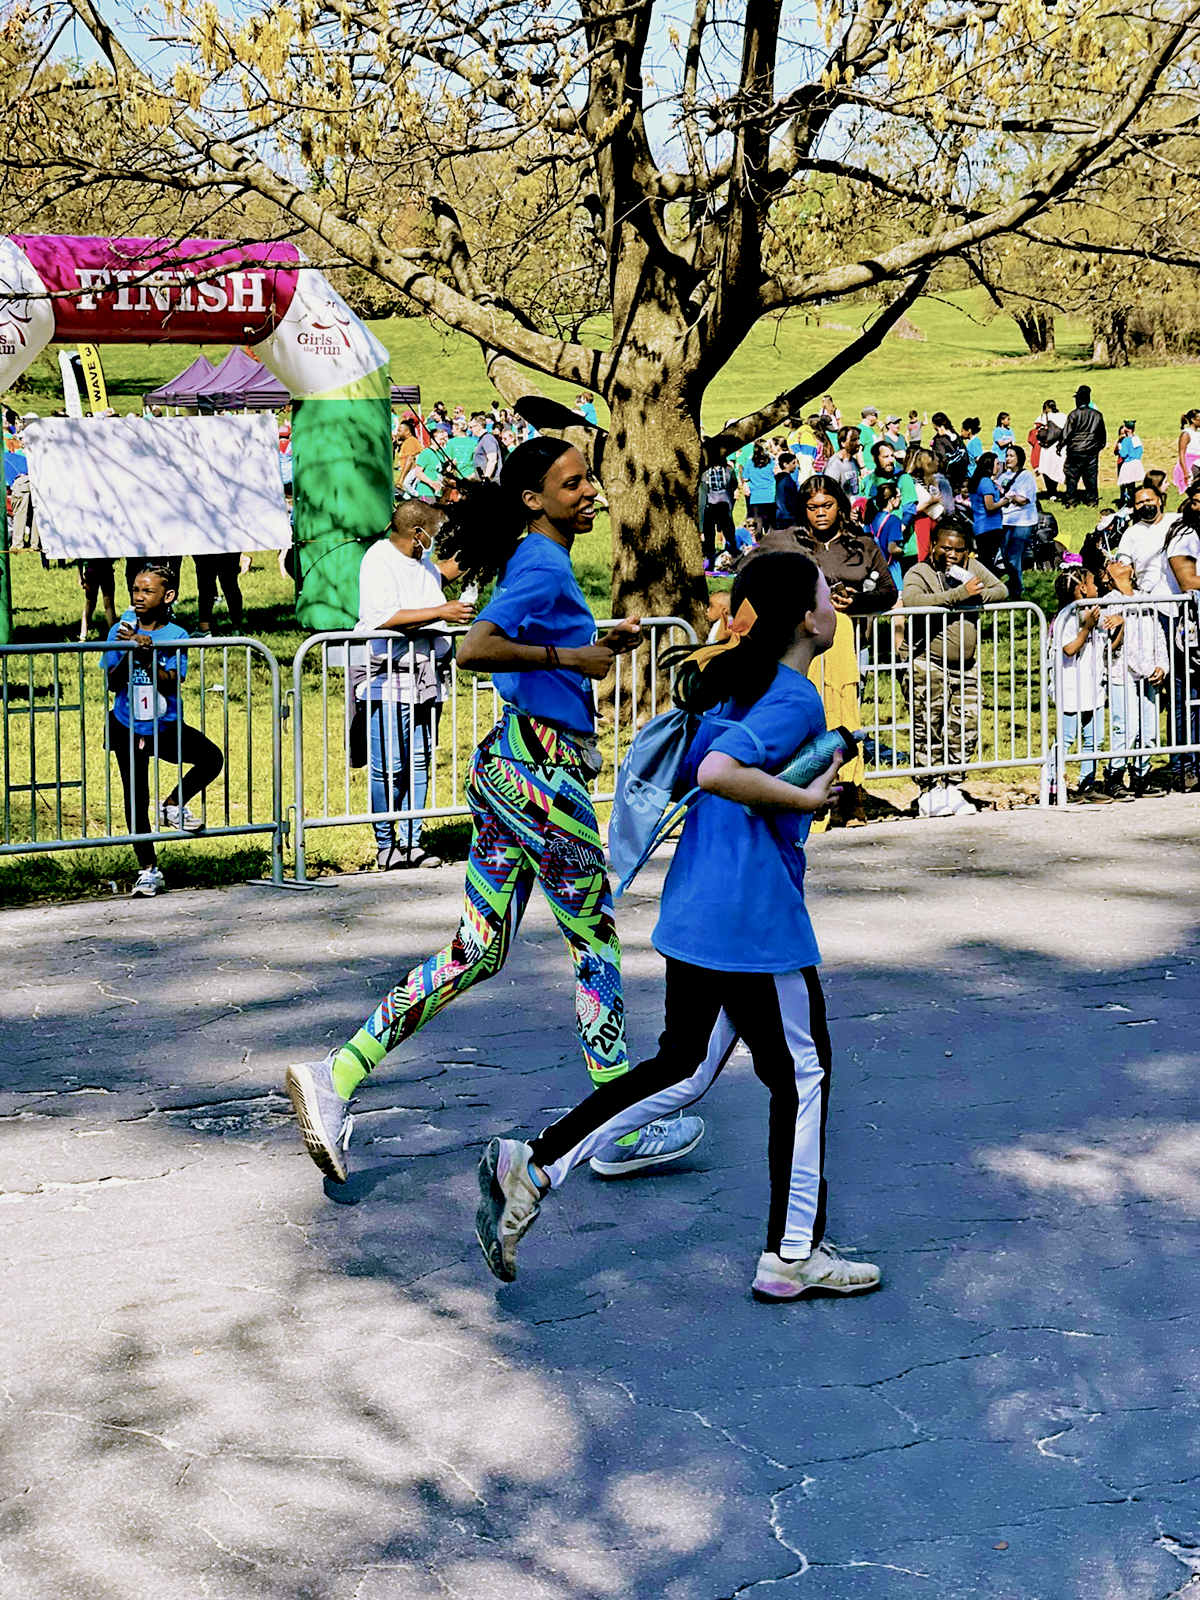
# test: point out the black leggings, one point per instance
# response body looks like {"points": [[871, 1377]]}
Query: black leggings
{"points": [[782, 1019], [177, 743], [209, 571], [718, 518]]}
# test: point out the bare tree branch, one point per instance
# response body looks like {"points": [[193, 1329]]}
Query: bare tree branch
{"points": [[792, 400]]}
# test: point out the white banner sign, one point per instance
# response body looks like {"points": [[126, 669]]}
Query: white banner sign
{"points": [[144, 486]]}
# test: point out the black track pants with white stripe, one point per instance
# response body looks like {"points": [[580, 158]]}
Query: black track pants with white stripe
{"points": [[781, 1017]]}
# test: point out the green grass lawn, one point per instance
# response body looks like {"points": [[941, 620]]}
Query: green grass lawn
{"points": [[969, 364]]}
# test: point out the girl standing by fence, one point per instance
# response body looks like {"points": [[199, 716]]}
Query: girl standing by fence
{"points": [[1078, 638], [742, 962], [527, 789], [146, 721]]}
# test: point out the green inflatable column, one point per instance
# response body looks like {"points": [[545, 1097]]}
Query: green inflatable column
{"points": [[342, 492], [338, 374]]}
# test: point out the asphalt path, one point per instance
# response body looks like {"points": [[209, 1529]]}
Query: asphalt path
{"points": [[219, 1378]]}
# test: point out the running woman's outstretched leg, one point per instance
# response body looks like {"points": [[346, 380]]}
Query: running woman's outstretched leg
{"points": [[571, 873], [500, 876]]}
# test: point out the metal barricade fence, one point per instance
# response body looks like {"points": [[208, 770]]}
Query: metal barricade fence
{"points": [[942, 693], [413, 740], [932, 702], [60, 791], [1130, 689]]}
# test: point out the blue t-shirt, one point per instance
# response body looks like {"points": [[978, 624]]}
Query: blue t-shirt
{"points": [[734, 896], [141, 676], [983, 520], [760, 484], [974, 448], [886, 529], [538, 601], [1001, 439]]}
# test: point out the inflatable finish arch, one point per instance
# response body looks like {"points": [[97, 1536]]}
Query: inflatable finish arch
{"points": [[202, 291]]}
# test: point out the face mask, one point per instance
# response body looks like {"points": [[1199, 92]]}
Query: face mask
{"points": [[1145, 513]]}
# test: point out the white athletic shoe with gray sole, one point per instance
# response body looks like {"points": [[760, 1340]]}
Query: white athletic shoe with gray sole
{"points": [[825, 1272], [509, 1202], [323, 1115]]}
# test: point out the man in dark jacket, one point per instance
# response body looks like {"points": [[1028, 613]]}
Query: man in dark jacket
{"points": [[1084, 436]]}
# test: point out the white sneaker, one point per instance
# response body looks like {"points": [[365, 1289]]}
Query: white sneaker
{"points": [[824, 1272], [149, 881], [179, 817], [959, 806], [932, 802], [509, 1202]]}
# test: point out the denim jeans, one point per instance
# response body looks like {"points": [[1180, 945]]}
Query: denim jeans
{"points": [[1012, 553], [400, 741], [1134, 703], [1088, 727]]}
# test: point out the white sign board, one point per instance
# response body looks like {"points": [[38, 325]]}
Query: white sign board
{"points": [[145, 486]]}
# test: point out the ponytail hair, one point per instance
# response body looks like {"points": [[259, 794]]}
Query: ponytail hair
{"points": [[771, 596], [486, 522]]}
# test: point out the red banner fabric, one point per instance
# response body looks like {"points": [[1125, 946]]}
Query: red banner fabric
{"points": [[155, 291]]}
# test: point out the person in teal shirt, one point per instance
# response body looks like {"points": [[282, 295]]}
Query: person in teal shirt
{"points": [[428, 473], [460, 447], [866, 431]]}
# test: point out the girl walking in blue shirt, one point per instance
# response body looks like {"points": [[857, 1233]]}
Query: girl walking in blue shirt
{"points": [[744, 965], [527, 788]]}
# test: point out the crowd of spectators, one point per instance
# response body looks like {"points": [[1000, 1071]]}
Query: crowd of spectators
{"points": [[944, 527], [901, 515]]}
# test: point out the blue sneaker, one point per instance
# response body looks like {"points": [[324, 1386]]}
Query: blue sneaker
{"points": [[657, 1143]]}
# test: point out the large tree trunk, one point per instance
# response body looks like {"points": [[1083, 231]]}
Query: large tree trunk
{"points": [[1037, 330], [1110, 346], [652, 480]]}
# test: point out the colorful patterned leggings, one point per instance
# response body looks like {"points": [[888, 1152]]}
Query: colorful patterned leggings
{"points": [[531, 823]]}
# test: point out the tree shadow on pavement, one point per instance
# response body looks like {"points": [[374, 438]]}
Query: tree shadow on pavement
{"points": [[218, 1382]]}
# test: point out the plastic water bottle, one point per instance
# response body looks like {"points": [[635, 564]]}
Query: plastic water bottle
{"points": [[811, 760]]}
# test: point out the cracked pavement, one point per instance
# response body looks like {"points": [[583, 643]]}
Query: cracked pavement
{"points": [[217, 1378]]}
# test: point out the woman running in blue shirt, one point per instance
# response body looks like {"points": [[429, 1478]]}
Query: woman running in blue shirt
{"points": [[742, 964], [527, 789]]}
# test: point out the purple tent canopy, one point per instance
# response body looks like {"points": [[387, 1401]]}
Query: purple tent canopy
{"points": [[242, 384], [182, 390]]}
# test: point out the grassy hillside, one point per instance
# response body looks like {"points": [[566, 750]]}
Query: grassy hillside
{"points": [[968, 364]]}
